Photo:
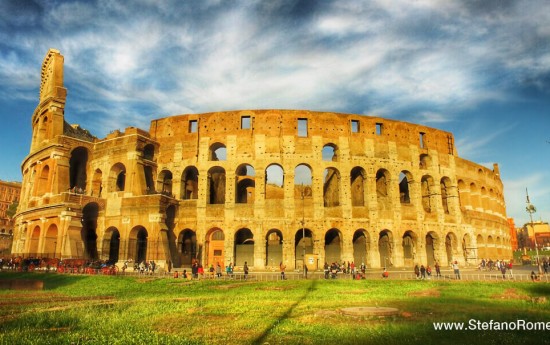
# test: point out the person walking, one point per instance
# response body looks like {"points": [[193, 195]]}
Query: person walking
{"points": [[282, 268], [245, 269]]}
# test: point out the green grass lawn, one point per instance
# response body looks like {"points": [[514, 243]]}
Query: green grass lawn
{"points": [[76, 309]]}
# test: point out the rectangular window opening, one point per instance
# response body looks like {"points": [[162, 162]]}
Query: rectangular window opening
{"points": [[422, 140], [378, 129], [302, 127], [355, 126], [193, 126], [245, 122]]}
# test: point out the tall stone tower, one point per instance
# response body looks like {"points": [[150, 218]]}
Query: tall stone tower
{"points": [[47, 120]]}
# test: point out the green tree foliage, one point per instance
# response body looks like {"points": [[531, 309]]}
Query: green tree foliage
{"points": [[12, 209]]}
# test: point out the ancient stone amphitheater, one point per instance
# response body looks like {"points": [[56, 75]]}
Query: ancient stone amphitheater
{"points": [[256, 186]]}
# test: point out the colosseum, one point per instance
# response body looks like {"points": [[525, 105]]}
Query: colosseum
{"points": [[261, 186]]}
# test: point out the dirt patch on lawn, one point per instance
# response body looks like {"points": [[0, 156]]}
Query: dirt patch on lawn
{"points": [[512, 294], [426, 293], [54, 299]]}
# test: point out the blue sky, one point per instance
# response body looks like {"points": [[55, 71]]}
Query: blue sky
{"points": [[479, 69]]}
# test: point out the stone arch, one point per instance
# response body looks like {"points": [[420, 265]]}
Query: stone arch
{"points": [[358, 179], [410, 245], [481, 247], [137, 244], [216, 185], [427, 192], [474, 196], [245, 185], [490, 247], [385, 248], [405, 180], [451, 247], [361, 246], [111, 245], [117, 178], [463, 194], [303, 181], [331, 187], [97, 186], [498, 249], [43, 183], [244, 247], [333, 245], [190, 183], [164, 182], [432, 245], [50, 241], [187, 247], [330, 152], [445, 184], [273, 248], [88, 233], [302, 242], [217, 152], [215, 247], [383, 189], [34, 240], [77, 168], [467, 250], [149, 152], [274, 182]]}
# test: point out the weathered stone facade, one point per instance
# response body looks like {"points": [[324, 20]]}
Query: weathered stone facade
{"points": [[262, 186]]}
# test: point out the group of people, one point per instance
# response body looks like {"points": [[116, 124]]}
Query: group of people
{"points": [[332, 270], [425, 272], [197, 271]]}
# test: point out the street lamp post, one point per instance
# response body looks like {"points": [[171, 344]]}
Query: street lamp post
{"points": [[532, 209]]}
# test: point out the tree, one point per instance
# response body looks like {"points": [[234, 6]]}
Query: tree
{"points": [[12, 209]]}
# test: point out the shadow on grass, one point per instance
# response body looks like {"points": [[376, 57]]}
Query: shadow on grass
{"points": [[262, 338], [51, 280]]}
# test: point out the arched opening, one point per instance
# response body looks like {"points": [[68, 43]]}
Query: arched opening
{"points": [[50, 241], [302, 245], [149, 182], [474, 196], [445, 189], [405, 179], [218, 152], [490, 247], [43, 186], [274, 182], [382, 189], [331, 187], [410, 243], [426, 189], [431, 247], [111, 245], [96, 183], [244, 247], [330, 153], [333, 246], [187, 247], [216, 182], [77, 168], [303, 182], [149, 152], [358, 178], [470, 253], [164, 182], [273, 248], [245, 184], [451, 247], [90, 213], [190, 183], [35, 238], [137, 244], [215, 247], [361, 245], [117, 178], [385, 248]]}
